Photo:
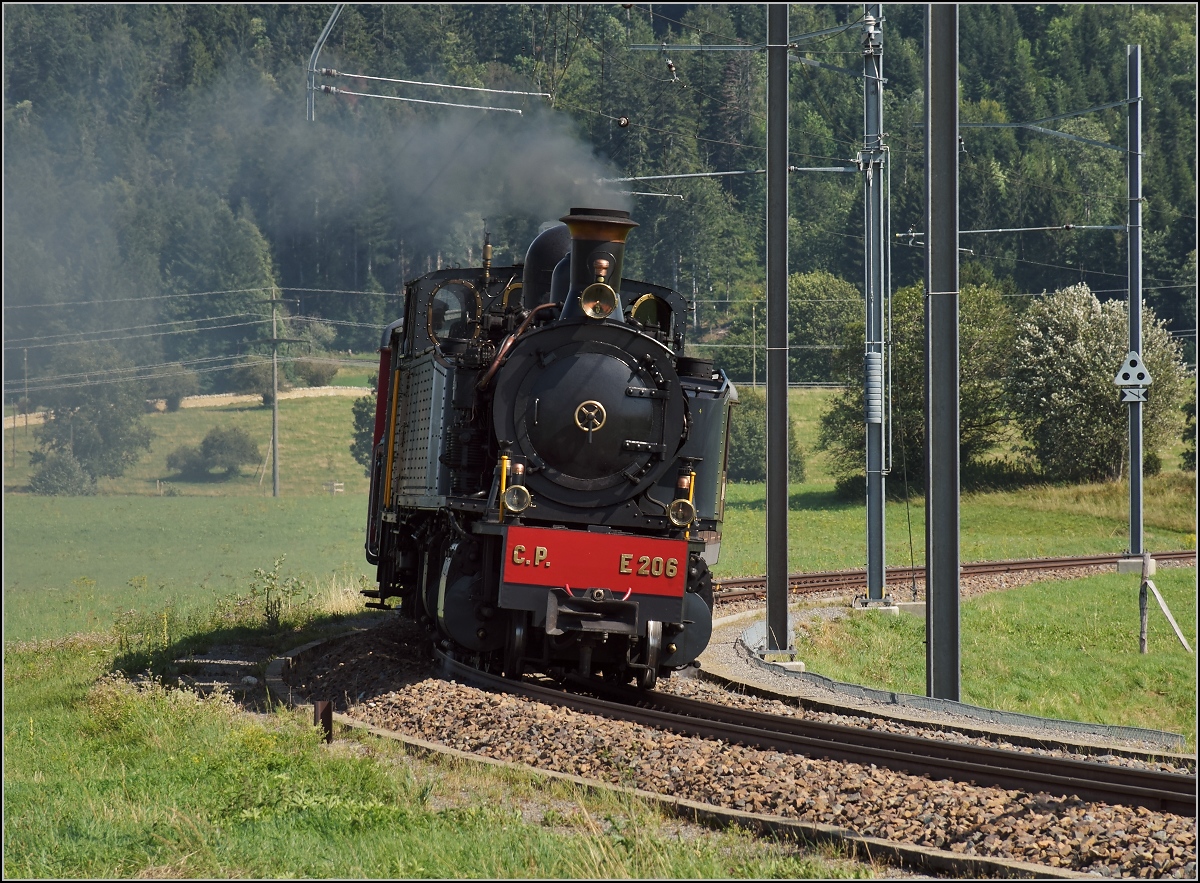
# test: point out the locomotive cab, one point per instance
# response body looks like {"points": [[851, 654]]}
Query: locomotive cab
{"points": [[549, 472]]}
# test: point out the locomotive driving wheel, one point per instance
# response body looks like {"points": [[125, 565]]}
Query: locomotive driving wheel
{"points": [[648, 677], [514, 647]]}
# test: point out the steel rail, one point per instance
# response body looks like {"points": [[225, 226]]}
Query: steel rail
{"points": [[810, 583], [1043, 767], [1167, 792]]}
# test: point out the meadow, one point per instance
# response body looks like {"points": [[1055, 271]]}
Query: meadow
{"points": [[75, 564], [107, 777], [1064, 649]]}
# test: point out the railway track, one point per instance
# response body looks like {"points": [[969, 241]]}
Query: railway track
{"points": [[979, 765], [814, 583]]}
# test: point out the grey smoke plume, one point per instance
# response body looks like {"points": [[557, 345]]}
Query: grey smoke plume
{"points": [[530, 166], [445, 170]]}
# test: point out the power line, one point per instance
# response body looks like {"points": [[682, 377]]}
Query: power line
{"points": [[134, 336], [376, 326], [137, 373], [75, 334], [131, 369], [47, 383], [119, 300], [99, 380], [150, 297]]}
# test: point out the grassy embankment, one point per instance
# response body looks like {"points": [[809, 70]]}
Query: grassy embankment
{"points": [[105, 778], [1062, 649]]}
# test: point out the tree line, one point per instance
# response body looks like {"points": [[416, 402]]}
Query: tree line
{"points": [[165, 193]]}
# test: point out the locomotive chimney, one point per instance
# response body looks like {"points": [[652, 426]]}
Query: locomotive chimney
{"points": [[547, 249], [597, 254]]}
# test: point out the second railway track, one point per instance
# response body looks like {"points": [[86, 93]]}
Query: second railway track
{"points": [[740, 588]]}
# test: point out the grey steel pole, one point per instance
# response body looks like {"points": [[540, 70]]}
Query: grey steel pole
{"points": [[311, 113], [777, 322], [1134, 235], [941, 352], [871, 161], [274, 402]]}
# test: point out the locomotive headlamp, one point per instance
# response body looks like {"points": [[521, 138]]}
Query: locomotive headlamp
{"points": [[517, 498], [598, 300], [681, 512]]}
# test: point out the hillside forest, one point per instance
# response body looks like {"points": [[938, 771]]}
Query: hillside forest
{"points": [[164, 192]]}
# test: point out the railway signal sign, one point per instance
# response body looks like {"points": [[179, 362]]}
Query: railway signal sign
{"points": [[1133, 373], [1133, 395]]}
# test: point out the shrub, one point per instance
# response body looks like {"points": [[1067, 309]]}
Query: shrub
{"points": [[1188, 457], [985, 340], [187, 460], [175, 386], [363, 410], [228, 449], [315, 372], [98, 424], [1069, 348], [254, 376], [748, 441], [1151, 463], [61, 476], [223, 449]]}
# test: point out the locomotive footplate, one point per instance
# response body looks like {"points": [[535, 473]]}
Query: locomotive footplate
{"points": [[593, 582]]}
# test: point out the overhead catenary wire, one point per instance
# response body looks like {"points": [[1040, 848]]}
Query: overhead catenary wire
{"points": [[330, 72], [661, 131], [1081, 270], [334, 90], [716, 101]]}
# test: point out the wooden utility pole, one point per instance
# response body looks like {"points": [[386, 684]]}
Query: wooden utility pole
{"points": [[275, 341]]}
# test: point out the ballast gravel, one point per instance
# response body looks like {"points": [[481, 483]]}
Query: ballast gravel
{"points": [[384, 677]]}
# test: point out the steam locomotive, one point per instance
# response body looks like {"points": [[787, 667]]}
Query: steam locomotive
{"points": [[548, 472]]}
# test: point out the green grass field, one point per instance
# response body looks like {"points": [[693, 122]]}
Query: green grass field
{"points": [[76, 563], [1063, 648], [314, 448], [103, 779]]}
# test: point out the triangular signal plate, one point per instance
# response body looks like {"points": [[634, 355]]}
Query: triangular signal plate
{"points": [[1133, 372]]}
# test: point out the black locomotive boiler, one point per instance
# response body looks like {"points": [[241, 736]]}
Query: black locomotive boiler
{"points": [[548, 474]]}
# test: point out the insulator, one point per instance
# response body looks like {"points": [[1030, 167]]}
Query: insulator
{"points": [[873, 370]]}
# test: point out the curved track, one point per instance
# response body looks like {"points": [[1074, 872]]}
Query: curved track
{"points": [[984, 766], [813, 583]]}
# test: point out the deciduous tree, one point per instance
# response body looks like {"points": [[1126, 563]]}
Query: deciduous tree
{"points": [[1068, 349], [95, 412]]}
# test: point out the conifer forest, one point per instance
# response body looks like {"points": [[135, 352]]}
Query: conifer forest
{"points": [[164, 191]]}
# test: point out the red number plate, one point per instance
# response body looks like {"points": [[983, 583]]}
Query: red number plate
{"points": [[583, 560]]}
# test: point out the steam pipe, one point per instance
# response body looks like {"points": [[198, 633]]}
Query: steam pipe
{"points": [[507, 345]]}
